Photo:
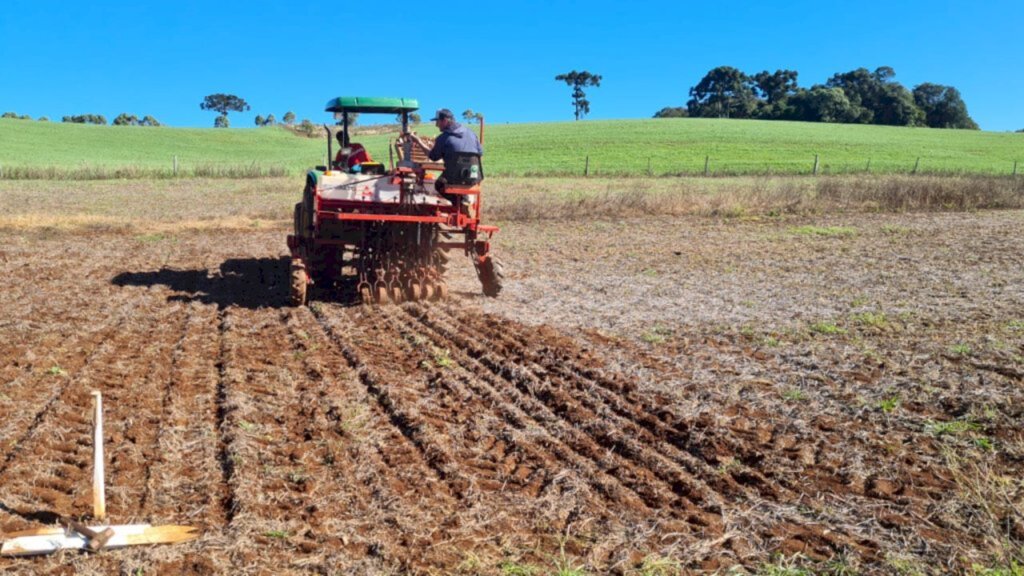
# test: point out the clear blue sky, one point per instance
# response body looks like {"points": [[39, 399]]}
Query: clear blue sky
{"points": [[108, 57]]}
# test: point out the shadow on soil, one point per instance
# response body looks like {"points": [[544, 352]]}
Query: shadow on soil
{"points": [[244, 282]]}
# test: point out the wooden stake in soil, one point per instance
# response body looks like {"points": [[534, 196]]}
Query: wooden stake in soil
{"points": [[99, 497]]}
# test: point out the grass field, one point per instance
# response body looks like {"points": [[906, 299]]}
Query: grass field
{"points": [[614, 147]]}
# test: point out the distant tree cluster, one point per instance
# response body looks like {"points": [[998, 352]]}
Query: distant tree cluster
{"points": [[125, 119], [469, 115], [857, 97], [85, 119], [672, 112], [14, 116]]}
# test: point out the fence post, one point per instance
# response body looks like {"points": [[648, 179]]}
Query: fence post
{"points": [[707, 159], [586, 167], [1014, 169], [916, 164], [649, 173], [868, 169], [175, 164], [815, 171]]}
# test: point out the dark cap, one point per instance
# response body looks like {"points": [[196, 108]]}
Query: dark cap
{"points": [[443, 113]]}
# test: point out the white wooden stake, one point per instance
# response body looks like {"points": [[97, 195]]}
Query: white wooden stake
{"points": [[99, 497]]}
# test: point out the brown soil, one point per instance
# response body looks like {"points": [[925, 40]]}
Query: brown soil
{"points": [[696, 393]]}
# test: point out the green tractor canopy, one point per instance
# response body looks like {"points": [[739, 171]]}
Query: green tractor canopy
{"points": [[372, 105]]}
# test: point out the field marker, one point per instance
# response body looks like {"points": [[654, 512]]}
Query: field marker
{"points": [[707, 159], [99, 496], [815, 171], [916, 164], [77, 536], [1014, 169], [586, 167]]}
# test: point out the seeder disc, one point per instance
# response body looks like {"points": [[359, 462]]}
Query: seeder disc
{"points": [[380, 294]]}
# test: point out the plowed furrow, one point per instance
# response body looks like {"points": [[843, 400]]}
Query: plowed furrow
{"points": [[184, 477], [473, 432], [134, 396], [51, 470], [644, 417], [27, 399], [633, 411], [392, 384], [288, 490], [519, 426], [356, 513], [544, 361], [562, 415]]}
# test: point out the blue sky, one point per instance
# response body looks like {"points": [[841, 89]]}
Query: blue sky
{"points": [[108, 57]]}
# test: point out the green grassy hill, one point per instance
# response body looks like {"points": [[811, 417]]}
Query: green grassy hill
{"points": [[666, 146]]}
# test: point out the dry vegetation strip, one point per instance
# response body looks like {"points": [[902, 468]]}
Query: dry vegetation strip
{"points": [[153, 209]]}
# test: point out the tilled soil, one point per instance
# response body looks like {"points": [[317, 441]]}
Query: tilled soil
{"points": [[868, 420]]}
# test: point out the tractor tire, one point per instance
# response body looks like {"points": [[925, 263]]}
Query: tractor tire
{"points": [[299, 282], [491, 276]]}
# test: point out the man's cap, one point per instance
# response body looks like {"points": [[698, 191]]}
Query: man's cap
{"points": [[443, 113]]}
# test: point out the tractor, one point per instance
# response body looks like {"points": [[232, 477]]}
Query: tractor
{"points": [[382, 234]]}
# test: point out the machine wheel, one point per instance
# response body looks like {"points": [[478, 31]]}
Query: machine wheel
{"points": [[396, 294], [365, 295], [380, 294], [299, 282], [441, 291], [491, 276], [414, 292]]}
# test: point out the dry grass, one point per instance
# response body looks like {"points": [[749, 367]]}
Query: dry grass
{"points": [[736, 197], [139, 172], [168, 205]]}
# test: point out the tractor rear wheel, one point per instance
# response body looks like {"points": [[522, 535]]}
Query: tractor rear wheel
{"points": [[299, 282], [491, 275]]}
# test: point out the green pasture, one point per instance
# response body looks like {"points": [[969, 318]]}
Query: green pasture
{"points": [[614, 147]]}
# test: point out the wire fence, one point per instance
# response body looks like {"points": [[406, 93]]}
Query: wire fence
{"points": [[585, 166]]}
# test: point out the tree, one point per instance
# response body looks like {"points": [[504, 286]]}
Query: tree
{"points": [[85, 119], [820, 104], [414, 118], [669, 112], [777, 86], [578, 81], [270, 120], [289, 118], [879, 98], [943, 107], [44, 119], [125, 119], [9, 115], [773, 89], [724, 92], [307, 127], [223, 103], [259, 120], [149, 121]]}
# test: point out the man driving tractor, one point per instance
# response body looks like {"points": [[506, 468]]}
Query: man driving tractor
{"points": [[350, 153]]}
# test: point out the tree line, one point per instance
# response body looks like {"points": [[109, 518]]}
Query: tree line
{"points": [[123, 119], [856, 97]]}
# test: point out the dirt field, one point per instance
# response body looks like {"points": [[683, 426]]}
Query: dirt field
{"points": [[648, 396]]}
